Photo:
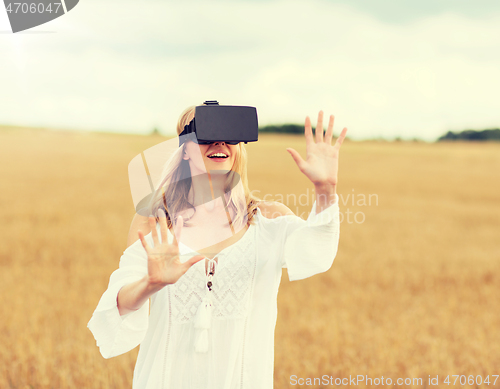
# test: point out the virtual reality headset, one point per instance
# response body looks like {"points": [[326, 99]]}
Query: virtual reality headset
{"points": [[212, 122]]}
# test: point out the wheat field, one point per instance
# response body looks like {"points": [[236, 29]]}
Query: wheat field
{"points": [[413, 292]]}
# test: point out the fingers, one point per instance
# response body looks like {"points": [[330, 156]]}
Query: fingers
{"points": [[308, 131], [177, 230], [154, 233], [329, 131], [319, 128], [143, 241], [163, 225], [297, 158], [341, 138]]}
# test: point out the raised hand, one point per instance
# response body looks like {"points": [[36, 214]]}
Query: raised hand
{"points": [[321, 164], [164, 265]]}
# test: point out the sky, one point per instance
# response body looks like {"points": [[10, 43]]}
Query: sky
{"points": [[384, 68]]}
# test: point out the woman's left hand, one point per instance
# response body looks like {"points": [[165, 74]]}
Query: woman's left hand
{"points": [[321, 164]]}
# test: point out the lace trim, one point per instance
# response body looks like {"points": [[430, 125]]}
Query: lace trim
{"points": [[231, 284]]}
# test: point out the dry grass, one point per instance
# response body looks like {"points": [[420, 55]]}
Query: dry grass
{"points": [[414, 290]]}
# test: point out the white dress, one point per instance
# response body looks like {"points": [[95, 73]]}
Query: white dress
{"points": [[239, 353]]}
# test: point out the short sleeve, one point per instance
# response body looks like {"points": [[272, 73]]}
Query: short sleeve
{"points": [[311, 245], [115, 334]]}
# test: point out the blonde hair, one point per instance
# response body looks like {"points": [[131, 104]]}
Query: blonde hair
{"points": [[174, 188]]}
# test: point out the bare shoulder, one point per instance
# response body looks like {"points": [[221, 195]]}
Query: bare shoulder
{"points": [[139, 223], [274, 209]]}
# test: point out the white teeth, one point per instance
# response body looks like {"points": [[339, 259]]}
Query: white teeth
{"points": [[222, 155]]}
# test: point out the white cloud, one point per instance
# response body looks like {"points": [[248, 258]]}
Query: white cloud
{"points": [[129, 66]]}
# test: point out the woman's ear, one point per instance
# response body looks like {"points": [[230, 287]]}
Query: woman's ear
{"points": [[185, 154]]}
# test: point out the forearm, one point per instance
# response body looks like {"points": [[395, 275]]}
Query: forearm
{"points": [[132, 296], [325, 196]]}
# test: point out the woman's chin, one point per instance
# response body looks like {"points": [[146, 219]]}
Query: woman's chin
{"points": [[219, 164]]}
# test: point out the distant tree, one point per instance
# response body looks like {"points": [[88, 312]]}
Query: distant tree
{"points": [[448, 136], [155, 132], [286, 129], [472, 135], [283, 129]]}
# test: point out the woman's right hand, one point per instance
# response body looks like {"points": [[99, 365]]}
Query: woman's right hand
{"points": [[164, 265]]}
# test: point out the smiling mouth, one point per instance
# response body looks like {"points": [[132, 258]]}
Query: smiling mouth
{"points": [[218, 155]]}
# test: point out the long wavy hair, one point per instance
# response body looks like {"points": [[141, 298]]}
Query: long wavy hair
{"points": [[176, 184]]}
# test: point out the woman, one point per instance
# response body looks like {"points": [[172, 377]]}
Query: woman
{"points": [[214, 300]]}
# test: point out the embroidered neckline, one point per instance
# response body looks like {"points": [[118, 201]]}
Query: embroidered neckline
{"points": [[228, 248], [229, 298]]}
